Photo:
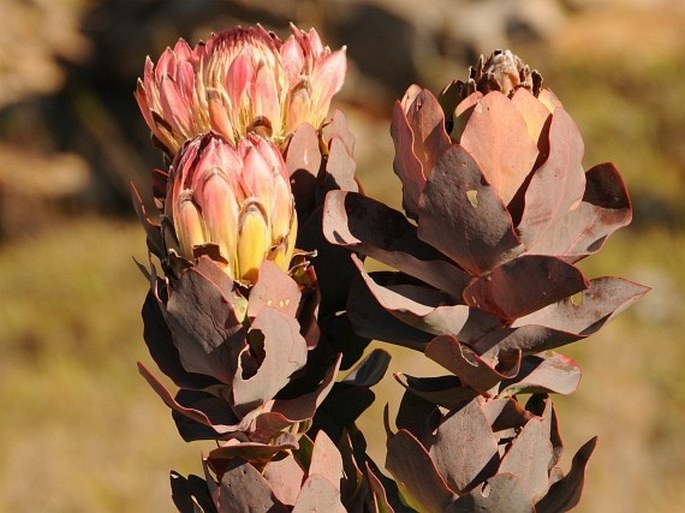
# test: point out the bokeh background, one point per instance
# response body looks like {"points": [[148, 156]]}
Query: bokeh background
{"points": [[81, 431]]}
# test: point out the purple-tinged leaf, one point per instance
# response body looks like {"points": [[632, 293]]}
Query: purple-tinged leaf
{"points": [[605, 208], [529, 458], [556, 188], [243, 489], [285, 353], [419, 416], [445, 391], [369, 227], [565, 494], [406, 164], [566, 321], [544, 373], [370, 320], [470, 368], [506, 416], [159, 342], [462, 216], [583, 315], [380, 497], [304, 407], [275, 289], [285, 477], [524, 285], [542, 406], [425, 308], [529, 339], [217, 418], [326, 460], [420, 483], [464, 448], [418, 131], [500, 494], [497, 138], [318, 495], [204, 326], [256, 453]]}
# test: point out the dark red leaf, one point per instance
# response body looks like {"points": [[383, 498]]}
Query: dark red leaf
{"points": [[497, 138], [275, 289], [470, 368], [605, 208], [369, 319], [553, 373], [406, 164], [285, 353], [529, 458], [304, 407], [244, 490], [204, 326], [285, 476], [159, 342], [462, 216], [219, 419], [318, 495], [303, 160], [418, 415], [500, 494], [534, 113], [565, 494], [326, 460], [419, 481], [370, 371], [446, 391], [524, 285], [256, 453], [427, 309], [338, 128], [380, 497], [340, 166], [556, 187], [584, 314], [418, 131], [464, 447], [369, 227]]}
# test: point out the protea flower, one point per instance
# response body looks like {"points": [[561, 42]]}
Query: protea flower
{"points": [[239, 81], [503, 209], [236, 199], [486, 455]]}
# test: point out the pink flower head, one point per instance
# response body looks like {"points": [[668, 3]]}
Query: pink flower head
{"points": [[233, 198], [240, 81]]}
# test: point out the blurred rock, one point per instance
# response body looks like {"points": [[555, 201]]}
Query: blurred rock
{"points": [[35, 38], [38, 189]]}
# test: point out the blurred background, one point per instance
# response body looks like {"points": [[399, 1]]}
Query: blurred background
{"points": [[82, 432]]}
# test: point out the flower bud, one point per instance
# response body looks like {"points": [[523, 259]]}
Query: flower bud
{"points": [[236, 198]]}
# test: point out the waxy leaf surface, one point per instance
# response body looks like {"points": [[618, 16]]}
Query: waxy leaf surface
{"points": [[462, 216]]}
